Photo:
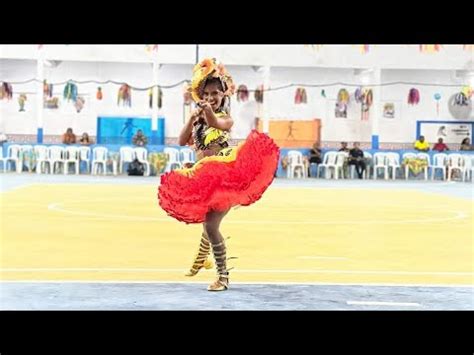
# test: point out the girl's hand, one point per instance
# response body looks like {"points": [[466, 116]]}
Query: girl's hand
{"points": [[205, 105], [196, 114]]}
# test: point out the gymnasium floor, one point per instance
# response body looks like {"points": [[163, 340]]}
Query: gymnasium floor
{"points": [[83, 242]]}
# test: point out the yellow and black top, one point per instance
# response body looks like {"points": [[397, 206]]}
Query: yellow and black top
{"points": [[209, 140]]}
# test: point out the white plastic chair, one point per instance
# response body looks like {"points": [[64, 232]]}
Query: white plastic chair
{"points": [[393, 163], [380, 162], [13, 155], [42, 158], [187, 156], [367, 155], [295, 161], [339, 164], [84, 155], [99, 158], [55, 156], [142, 156], [468, 167], [173, 159], [439, 163], [455, 162], [426, 157], [407, 156], [2, 159], [71, 156], [329, 159], [127, 155], [26, 149]]}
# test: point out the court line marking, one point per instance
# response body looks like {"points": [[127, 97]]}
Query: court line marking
{"points": [[322, 257], [283, 283], [262, 271], [15, 188], [58, 207], [380, 303]]}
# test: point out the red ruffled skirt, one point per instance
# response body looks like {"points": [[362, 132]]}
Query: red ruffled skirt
{"points": [[236, 176]]}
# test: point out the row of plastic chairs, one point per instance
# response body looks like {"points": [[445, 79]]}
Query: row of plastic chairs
{"points": [[54, 157], [447, 163], [333, 162], [46, 157], [386, 162], [177, 158]]}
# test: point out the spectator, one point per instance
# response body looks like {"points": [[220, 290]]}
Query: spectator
{"points": [[356, 157], [422, 145], [344, 147], [440, 146], [140, 139], [69, 137], [466, 144], [85, 139], [314, 156]]}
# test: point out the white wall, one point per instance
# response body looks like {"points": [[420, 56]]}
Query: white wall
{"points": [[403, 127], [333, 56], [281, 103]]}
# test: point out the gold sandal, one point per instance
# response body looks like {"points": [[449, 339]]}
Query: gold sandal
{"points": [[201, 260]]}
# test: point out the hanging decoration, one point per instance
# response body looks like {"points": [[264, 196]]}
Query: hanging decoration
{"points": [[21, 102], [413, 97], [467, 91], [468, 47], [323, 93], [341, 103], [367, 100], [429, 48], [300, 96], [364, 48], [389, 110], [6, 91], [125, 95], [70, 91], [51, 103], [358, 95], [79, 104], [437, 98], [259, 94], [47, 89], [242, 93], [151, 48], [99, 95], [463, 98], [159, 98]]}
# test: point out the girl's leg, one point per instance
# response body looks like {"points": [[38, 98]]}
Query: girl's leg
{"points": [[201, 259], [213, 221]]}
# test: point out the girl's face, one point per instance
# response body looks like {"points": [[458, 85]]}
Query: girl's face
{"points": [[213, 94]]}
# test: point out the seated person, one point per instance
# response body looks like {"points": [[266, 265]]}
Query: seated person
{"points": [[344, 147], [421, 145], [69, 137], [140, 139], [85, 139], [314, 156], [356, 157], [440, 146], [466, 144]]}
